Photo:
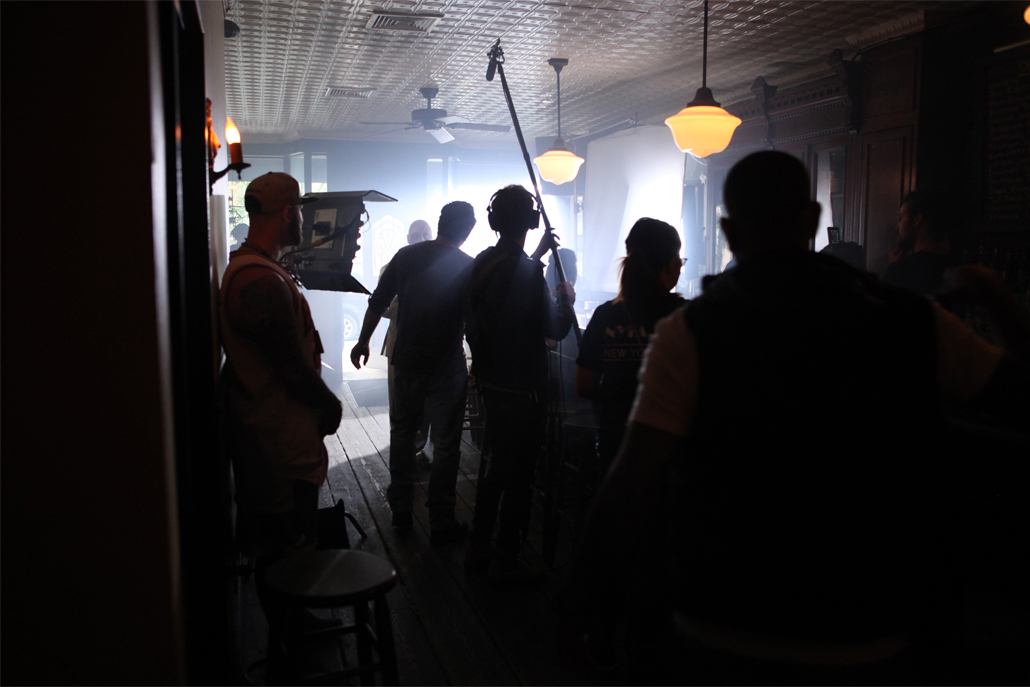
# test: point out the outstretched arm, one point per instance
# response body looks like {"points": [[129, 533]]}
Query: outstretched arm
{"points": [[260, 305], [377, 305]]}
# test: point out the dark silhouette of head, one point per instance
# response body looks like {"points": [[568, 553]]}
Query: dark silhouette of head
{"points": [[925, 212], [513, 211], [456, 221], [419, 231], [657, 242], [769, 204], [652, 264], [239, 233], [568, 263]]}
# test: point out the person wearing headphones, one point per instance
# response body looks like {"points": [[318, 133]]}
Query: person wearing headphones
{"points": [[513, 313]]}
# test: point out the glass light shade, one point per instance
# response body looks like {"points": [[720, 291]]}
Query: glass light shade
{"points": [[702, 129], [1026, 14], [558, 166], [232, 134]]}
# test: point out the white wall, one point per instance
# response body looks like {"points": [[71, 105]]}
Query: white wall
{"points": [[631, 174]]}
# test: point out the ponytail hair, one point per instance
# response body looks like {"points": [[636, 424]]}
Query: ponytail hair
{"points": [[650, 246]]}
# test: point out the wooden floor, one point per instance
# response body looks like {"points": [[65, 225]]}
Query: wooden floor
{"points": [[450, 627]]}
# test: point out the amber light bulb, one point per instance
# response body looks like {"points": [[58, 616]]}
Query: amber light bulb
{"points": [[232, 137]]}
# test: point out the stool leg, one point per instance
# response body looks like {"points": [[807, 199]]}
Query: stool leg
{"points": [[364, 638], [384, 633]]}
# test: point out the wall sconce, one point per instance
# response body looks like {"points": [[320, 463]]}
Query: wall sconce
{"points": [[232, 137]]}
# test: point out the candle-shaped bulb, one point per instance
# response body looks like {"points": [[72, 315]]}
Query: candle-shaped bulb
{"points": [[232, 137], [232, 134]]}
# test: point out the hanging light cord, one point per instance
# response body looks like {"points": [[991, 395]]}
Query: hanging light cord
{"points": [[557, 74], [704, 56]]}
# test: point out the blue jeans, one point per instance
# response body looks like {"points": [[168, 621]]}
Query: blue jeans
{"points": [[515, 425], [440, 393]]}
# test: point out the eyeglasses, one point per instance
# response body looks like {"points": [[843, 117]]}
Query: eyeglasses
{"points": [[683, 261]]}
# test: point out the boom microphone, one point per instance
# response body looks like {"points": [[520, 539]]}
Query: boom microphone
{"points": [[495, 59]]}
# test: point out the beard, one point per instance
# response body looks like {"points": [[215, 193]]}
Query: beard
{"points": [[294, 231]]}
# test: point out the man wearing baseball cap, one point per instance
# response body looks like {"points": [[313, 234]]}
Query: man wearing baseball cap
{"points": [[277, 408]]}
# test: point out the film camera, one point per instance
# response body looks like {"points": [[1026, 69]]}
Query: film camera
{"points": [[323, 264], [329, 240]]}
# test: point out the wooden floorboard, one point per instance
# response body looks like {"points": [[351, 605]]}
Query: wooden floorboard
{"points": [[467, 652], [449, 627], [417, 662], [520, 622]]}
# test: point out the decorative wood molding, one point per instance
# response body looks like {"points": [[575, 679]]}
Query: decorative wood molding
{"points": [[789, 80], [774, 116], [903, 26], [851, 74]]}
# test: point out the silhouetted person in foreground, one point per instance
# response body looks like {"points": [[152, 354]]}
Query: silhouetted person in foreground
{"points": [[793, 414], [922, 255], [615, 340], [514, 313], [430, 281]]}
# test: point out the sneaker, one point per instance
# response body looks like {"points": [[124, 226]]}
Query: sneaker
{"points": [[422, 460], [402, 520], [451, 533], [511, 572], [478, 558]]}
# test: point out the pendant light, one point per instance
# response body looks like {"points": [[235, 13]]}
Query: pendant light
{"points": [[559, 164], [702, 127]]}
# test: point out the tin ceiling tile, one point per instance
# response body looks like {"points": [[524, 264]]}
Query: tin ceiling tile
{"points": [[627, 59]]}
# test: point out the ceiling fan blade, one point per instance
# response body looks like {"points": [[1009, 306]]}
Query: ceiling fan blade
{"points": [[479, 127], [441, 135], [388, 123], [391, 131], [450, 119]]}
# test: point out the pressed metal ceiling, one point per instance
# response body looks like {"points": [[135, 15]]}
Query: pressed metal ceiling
{"points": [[639, 60]]}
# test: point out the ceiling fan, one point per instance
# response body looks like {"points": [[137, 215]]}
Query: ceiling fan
{"points": [[436, 122]]}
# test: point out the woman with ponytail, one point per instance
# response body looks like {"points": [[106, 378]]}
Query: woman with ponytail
{"points": [[614, 342]]}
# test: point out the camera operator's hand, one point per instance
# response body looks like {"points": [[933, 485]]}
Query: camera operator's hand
{"points": [[544, 245], [565, 289], [360, 349], [330, 417]]}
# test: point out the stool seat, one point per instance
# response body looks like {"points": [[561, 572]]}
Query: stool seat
{"points": [[331, 577]]}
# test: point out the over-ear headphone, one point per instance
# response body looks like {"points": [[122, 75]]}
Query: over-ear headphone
{"points": [[526, 218]]}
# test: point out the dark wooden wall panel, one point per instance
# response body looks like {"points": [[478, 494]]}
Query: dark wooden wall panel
{"points": [[889, 133], [886, 177]]}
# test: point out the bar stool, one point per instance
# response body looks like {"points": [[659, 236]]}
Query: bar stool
{"points": [[335, 578]]}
